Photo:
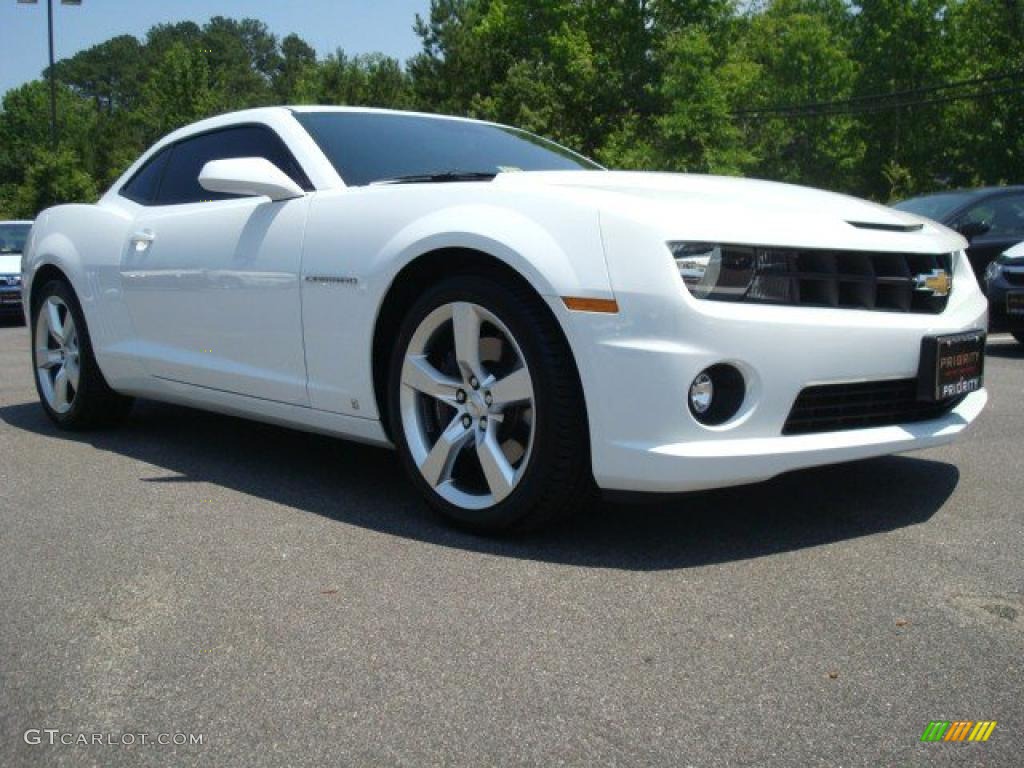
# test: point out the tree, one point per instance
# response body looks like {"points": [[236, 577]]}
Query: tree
{"points": [[296, 60], [902, 46], [804, 55], [100, 73], [178, 92], [53, 178], [242, 58], [373, 80], [923, 94], [702, 84], [24, 127], [985, 132]]}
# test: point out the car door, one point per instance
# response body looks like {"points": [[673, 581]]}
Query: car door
{"points": [[211, 281], [1000, 219]]}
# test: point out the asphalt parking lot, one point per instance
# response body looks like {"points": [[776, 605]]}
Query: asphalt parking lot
{"points": [[288, 597]]}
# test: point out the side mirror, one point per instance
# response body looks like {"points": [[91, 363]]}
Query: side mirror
{"points": [[973, 229], [248, 176]]}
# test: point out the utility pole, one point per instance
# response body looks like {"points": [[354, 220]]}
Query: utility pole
{"points": [[53, 78], [52, 73]]}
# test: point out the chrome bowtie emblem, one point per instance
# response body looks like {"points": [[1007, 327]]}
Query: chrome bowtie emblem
{"points": [[938, 282]]}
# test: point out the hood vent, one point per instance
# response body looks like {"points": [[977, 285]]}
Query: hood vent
{"points": [[886, 227]]}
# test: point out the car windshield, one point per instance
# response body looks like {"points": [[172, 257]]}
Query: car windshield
{"points": [[367, 147], [935, 207], [12, 237]]}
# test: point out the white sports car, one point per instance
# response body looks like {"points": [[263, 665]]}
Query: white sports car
{"points": [[517, 321]]}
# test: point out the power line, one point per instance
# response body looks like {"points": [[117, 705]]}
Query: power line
{"points": [[861, 104]]}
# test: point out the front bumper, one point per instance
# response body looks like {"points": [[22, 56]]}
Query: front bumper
{"points": [[1000, 318], [637, 366], [700, 464]]}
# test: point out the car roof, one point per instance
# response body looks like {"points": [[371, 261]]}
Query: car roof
{"points": [[260, 113], [306, 108], [270, 114]]}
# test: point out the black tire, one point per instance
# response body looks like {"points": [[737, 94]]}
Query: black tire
{"points": [[1019, 336], [558, 478], [95, 404]]}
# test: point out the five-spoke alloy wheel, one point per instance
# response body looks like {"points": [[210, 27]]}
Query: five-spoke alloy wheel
{"points": [[58, 357], [467, 405], [486, 408], [71, 387]]}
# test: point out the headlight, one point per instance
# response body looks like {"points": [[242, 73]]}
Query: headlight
{"points": [[736, 272], [714, 271], [993, 271]]}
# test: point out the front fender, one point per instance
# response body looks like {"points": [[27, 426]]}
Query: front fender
{"points": [[50, 245], [360, 239], [85, 243], [566, 259]]}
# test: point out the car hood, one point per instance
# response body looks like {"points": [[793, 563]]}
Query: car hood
{"points": [[10, 263], [746, 211]]}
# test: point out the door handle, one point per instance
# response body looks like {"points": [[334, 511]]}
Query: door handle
{"points": [[143, 239]]}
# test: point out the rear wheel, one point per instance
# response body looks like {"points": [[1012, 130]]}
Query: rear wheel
{"points": [[71, 387], [486, 408]]}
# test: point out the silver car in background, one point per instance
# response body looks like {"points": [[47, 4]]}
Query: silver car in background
{"points": [[12, 242]]}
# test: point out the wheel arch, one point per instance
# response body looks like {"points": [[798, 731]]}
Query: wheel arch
{"points": [[428, 269], [45, 273], [59, 239]]}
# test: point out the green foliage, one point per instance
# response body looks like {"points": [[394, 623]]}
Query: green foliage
{"points": [[53, 178], [680, 85], [297, 59], [702, 80], [803, 55], [373, 80], [987, 40], [178, 92], [25, 127], [902, 45]]}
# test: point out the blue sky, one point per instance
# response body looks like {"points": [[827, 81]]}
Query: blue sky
{"points": [[358, 26]]}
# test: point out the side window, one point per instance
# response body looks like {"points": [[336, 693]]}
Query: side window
{"points": [[142, 187], [1007, 215], [181, 179], [1004, 215]]}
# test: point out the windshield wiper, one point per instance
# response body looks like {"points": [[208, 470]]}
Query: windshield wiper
{"points": [[438, 178]]}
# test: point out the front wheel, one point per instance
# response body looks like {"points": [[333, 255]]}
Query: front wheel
{"points": [[486, 408], [71, 387]]}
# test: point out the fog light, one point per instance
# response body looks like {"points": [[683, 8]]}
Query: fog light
{"points": [[702, 392], [717, 394]]}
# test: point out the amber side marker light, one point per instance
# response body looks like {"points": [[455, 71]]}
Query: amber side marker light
{"points": [[577, 304]]}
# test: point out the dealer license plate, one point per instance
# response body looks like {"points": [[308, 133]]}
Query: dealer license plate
{"points": [[951, 365]]}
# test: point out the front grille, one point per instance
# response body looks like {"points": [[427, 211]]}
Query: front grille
{"points": [[1014, 276], [849, 279], [836, 407]]}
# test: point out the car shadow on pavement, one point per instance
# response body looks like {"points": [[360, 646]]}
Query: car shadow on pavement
{"points": [[364, 486]]}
